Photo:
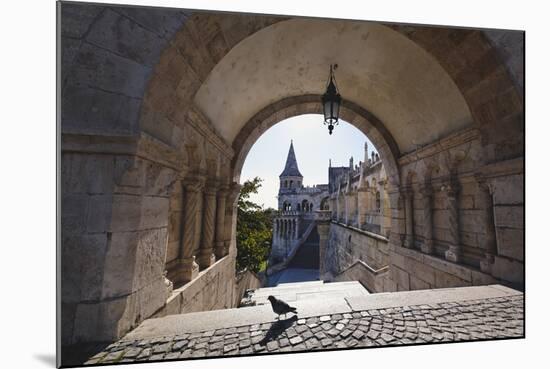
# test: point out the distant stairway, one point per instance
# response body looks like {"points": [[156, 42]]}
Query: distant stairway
{"points": [[307, 255], [313, 290]]}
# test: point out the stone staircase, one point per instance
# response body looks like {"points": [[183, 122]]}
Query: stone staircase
{"points": [[314, 290], [330, 316]]}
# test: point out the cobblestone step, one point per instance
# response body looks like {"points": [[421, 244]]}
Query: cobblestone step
{"points": [[474, 313]]}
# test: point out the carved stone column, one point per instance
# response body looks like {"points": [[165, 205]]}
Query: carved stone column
{"points": [[489, 240], [191, 233], [454, 253], [220, 223], [206, 255], [409, 219], [427, 195]]}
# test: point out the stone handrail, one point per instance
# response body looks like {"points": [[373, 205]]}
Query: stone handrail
{"points": [[367, 233], [370, 278], [280, 266], [245, 280]]}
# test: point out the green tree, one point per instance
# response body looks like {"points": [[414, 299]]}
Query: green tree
{"points": [[254, 229]]}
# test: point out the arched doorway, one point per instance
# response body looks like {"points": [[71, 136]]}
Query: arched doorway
{"points": [[170, 167]]}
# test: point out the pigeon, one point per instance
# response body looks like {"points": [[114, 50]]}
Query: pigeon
{"points": [[281, 307]]}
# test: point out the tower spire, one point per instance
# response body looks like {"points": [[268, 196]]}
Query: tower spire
{"points": [[291, 166]]}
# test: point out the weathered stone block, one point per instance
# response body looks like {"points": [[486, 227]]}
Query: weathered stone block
{"points": [[445, 280], [74, 211], [508, 190], [76, 18], [470, 239], [89, 174], [509, 216], [100, 215], [510, 243], [154, 212], [508, 270], [93, 111], [105, 70], [458, 271], [421, 271], [471, 220], [164, 22], [120, 264], [82, 267], [389, 285], [418, 284], [400, 276], [126, 37], [482, 279]]}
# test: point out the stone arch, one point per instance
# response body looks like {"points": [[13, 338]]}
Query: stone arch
{"points": [[159, 71], [363, 120]]}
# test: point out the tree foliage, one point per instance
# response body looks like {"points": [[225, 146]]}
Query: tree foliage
{"points": [[254, 229]]}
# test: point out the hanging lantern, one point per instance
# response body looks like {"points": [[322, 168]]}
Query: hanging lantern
{"points": [[331, 102]]}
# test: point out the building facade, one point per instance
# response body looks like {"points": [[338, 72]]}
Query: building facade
{"points": [[355, 195]]}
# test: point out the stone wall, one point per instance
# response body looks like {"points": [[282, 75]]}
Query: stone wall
{"points": [[413, 270], [213, 289], [346, 245]]}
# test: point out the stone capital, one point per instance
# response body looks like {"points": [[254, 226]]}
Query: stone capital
{"points": [[194, 183], [211, 187]]}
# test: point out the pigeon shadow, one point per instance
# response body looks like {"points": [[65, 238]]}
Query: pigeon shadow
{"points": [[278, 327]]}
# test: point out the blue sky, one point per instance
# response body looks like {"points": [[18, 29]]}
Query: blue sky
{"points": [[313, 147]]}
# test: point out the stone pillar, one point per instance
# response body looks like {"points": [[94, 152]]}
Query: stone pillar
{"points": [[206, 255], [231, 217], [409, 219], [362, 194], [489, 240], [427, 195], [220, 223], [397, 232], [454, 253], [323, 227], [347, 217], [191, 233], [337, 202]]}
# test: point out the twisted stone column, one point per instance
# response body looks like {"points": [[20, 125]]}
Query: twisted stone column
{"points": [[427, 195], [220, 223], [191, 233], [454, 253], [409, 219], [206, 255], [489, 240]]}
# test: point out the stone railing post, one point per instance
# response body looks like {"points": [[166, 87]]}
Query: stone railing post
{"points": [[454, 253], [322, 218], [191, 230], [427, 195], [220, 223], [206, 255], [231, 217], [489, 240]]}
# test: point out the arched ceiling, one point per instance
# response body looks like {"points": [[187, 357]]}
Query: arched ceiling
{"points": [[379, 69]]}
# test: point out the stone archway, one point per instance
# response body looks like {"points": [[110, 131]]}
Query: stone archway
{"points": [[169, 144], [363, 120]]}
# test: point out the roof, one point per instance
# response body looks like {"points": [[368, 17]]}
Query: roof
{"points": [[291, 166]]}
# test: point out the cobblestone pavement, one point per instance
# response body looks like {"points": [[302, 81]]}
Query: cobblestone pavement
{"points": [[457, 321]]}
